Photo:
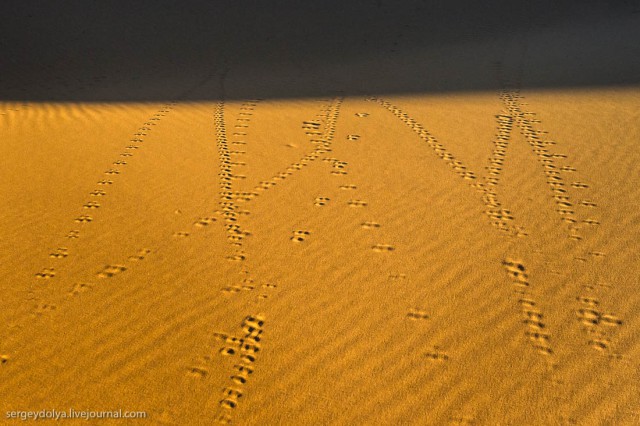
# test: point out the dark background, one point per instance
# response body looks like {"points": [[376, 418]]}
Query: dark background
{"points": [[113, 50]]}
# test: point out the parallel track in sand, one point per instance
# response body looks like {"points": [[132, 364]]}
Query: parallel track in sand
{"points": [[384, 259]]}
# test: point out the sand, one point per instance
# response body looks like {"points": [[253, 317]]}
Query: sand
{"points": [[327, 253]]}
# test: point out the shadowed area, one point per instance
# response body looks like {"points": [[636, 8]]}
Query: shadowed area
{"points": [[153, 50]]}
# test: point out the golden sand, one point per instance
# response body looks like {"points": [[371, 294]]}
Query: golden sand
{"points": [[425, 258]]}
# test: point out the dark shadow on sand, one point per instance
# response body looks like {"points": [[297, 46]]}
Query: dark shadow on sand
{"points": [[142, 50]]}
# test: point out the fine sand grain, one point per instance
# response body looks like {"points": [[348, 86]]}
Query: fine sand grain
{"points": [[358, 256]]}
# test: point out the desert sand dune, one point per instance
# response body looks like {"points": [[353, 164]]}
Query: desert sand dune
{"points": [[212, 221]]}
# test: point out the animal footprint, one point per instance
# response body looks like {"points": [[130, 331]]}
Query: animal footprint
{"points": [[73, 235], [112, 172], [610, 320], [321, 201], [436, 355], [98, 193], [601, 345], [120, 163], [111, 270], [502, 214], [197, 372], [228, 403], [370, 225], [4, 359], [516, 271], [357, 203], [362, 114], [205, 221], [60, 253], [417, 314], [105, 182], [140, 255], [383, 248], [310, 125], [46, 274], [236, 258], [92, 205], [579, 185], [45, 308], [79, 288], [299, 236], [84, 219], [348, 187], [353, 137], [588, 203], [181, 234]]}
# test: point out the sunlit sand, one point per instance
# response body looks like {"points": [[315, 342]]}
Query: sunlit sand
{"points": [[348, 257]]}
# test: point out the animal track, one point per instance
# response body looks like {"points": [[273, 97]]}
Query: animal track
{"points": [[46, 274], [72, 235], [198, 372], [140, 255], [311, 125], [397, 276], [236, 258], [353, 137], [357, 203], [516, 271], [489, 195], [92, 205], [205, 221], [246, 347], [436, 354], [533, 318], [110, 271], [417, 314], [348, 187], [362, 114], [383, 248], [591, 316], [44, 308], [60, 253], [98, 192], [321, 201], [80, 288], [370, 225], [300, 236]]}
